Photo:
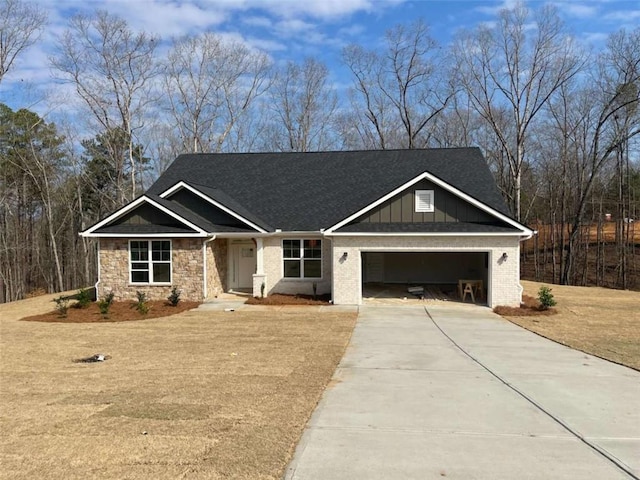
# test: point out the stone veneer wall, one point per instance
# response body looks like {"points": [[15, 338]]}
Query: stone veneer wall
{"points": [[217, 267], [504, 282], [187, 270], [274, 270]]}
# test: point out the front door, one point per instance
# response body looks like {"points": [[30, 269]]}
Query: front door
{"points": [[243, 266]]}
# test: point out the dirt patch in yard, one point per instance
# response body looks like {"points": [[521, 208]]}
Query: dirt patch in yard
{"points": [[201, 394], [118, 312], [282, 299], [530, 307], [599, 321]]}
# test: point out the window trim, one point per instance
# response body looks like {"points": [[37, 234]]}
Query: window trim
{"points": [[302, 258], [150, 262], [426, 209]]}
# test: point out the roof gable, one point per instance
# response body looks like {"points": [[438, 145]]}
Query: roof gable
{"points": [[145, 217], [213, 205], [316, 190], [485, 213]]}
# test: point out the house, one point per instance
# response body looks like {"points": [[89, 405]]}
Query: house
{"points": [[292, 222]]}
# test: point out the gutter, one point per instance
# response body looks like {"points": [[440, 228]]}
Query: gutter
{"points": [[95, 286]]}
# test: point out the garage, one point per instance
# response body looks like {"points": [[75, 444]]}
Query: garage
{"points": [[391, 274]]}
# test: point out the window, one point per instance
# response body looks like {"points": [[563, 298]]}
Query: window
{"points": [[154, 268], [424, 200], [302, 258]]}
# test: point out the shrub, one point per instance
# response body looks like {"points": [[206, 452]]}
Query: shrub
{"points": [[105, 304], [62, 305], [84, 298], [174, 298], [262, 287], [545, 297], [141, 304]]}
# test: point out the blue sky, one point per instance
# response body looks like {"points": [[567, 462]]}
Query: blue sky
{"points": [[293, 29]]}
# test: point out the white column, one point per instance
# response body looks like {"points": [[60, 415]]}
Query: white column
{"points": [[259, 278]]}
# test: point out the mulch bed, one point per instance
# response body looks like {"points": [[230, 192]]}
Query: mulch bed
{"points": [[119, 312], [530, 307], [282, 299]]}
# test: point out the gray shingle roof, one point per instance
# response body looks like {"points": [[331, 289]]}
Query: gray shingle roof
{"points": [[311, 191]]}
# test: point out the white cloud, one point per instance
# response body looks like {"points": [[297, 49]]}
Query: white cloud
{"points": [[322, 9], [352, 30], [623, 15], [577, 10], [257, 21], [168, 19], [495, 9]]}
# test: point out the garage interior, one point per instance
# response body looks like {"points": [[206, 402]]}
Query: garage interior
{"points": [[441, 275]]}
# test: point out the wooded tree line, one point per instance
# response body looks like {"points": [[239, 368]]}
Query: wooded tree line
{"points": [[558, 124]]}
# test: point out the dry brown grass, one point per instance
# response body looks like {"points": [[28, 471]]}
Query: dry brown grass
{"points": [[598, 321], [219, 394]]}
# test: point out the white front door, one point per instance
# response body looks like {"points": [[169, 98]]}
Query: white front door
{"points": [[243, 265]]}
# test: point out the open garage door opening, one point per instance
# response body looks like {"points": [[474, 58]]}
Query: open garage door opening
{"points": [[449, 276]]}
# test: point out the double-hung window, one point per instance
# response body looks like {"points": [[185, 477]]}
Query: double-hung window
{"points": [[302, 258], [150, 261]]}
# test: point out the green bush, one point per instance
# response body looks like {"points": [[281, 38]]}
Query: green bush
{"points": [[84, 298], [141, 304], [105, 304], [62, 305], [174, 298], [545, 297]]}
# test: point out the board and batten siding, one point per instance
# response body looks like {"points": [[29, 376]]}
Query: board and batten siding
{"points": [[448, 208], [146, 214]]}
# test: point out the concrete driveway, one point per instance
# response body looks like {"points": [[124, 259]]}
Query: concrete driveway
{"points": [[457, 392]]}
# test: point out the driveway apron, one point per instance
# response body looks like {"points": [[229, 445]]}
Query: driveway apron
{"points": [[457, 392]]}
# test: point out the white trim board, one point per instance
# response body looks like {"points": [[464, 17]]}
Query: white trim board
{"points": [[424, 234], [442, 184], [180, 185]]}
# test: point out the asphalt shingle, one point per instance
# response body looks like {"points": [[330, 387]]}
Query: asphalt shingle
{"points": [[316, 190]]}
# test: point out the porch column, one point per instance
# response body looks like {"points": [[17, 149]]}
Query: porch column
{"points": [[259, 278]]}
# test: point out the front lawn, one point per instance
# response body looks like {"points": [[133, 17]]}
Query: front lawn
{"points": [[600, 321], [201, 394]]}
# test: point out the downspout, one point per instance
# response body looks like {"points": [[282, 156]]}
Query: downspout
{"points": [[95, 286], [204, 265]]}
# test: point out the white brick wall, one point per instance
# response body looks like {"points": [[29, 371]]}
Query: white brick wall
{"points": [[504, 276], [274, 270]]}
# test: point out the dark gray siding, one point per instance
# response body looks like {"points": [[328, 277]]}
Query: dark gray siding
{"points": [[147, 214], [448, 208]]}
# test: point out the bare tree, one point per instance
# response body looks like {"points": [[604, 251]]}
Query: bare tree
{"points": [[304, 104], [399, 92], [31, 163], [211, 83], [583, 149], [111, 68], [20, 27], [519, 64]]}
